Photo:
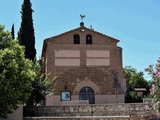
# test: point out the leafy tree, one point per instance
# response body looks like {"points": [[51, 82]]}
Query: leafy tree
{"points": [[41, 84], [16, 74], [12, 32], [135, 80], [26, 37], [26, 33], [41, 87]]}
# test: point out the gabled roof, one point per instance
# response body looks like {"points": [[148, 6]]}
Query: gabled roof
{"points": [[82, 26], [79, 28]]}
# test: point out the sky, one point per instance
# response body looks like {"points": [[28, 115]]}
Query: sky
{"points": [[136, 23]]}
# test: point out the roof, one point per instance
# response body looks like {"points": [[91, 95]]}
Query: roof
{"points": [[140, 89], [81, 26]]}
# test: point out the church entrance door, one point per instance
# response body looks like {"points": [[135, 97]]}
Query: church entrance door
{"points": [[87, 93]]}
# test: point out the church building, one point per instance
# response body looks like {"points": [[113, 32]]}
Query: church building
{"points": [[88, 66]]}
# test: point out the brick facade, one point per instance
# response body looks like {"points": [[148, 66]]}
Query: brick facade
{"points": [[83, 65]]}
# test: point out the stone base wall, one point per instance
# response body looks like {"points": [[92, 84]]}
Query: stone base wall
{"points": [[90, 110], [16, 115]]}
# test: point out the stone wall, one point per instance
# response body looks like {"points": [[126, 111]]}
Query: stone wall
{"points": [[16, 115], [90, 110], [87, 118], [83, 119]]}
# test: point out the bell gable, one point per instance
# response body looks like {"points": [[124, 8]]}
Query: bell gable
{"points": [[83, 35]]}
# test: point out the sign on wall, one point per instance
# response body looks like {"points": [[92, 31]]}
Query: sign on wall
{"points": [[65, 95]]}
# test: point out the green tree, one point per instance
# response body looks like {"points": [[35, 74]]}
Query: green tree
{"points": [[26, 38], [135, 80], [12, 32], [26, 35], [41, 84], [16, 74]]}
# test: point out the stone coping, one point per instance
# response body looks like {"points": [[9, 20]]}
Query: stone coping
{"points": [[96, 104], [127, 116]]}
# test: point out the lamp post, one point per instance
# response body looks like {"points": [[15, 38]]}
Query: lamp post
{"points": [[65, 86], [116, 85]]}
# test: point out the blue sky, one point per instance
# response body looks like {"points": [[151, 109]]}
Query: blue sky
{"points": [[136, 23]]}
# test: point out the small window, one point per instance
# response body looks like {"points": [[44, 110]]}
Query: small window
{"points": [[88, 39], [76, 39]]}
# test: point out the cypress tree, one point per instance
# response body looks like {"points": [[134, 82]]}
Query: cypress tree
{"points": [[12, 32], [26, 35]]}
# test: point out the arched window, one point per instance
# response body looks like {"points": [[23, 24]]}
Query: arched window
{"points": [[76, 39], [88, 39]]}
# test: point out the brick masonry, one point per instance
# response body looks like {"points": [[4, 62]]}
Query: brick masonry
{"points": [[81, 65]]}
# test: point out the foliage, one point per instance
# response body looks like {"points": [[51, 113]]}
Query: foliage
{"points": [[154, 71], [12, 32], [26, 33], [41, 85], [135, 80], [16, 74]]}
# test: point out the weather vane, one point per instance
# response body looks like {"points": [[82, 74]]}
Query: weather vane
{"points": [[82, 17]]}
